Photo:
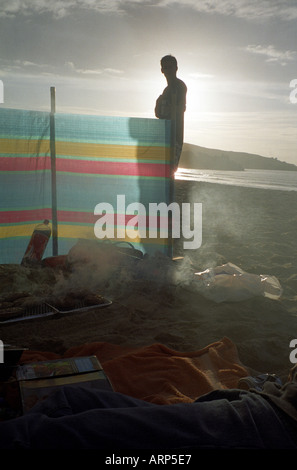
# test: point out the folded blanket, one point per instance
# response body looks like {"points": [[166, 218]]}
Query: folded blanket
{"points": [[158, 374]]}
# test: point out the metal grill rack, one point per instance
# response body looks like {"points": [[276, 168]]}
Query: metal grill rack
{"points": [[44, 310], [38, 311]]}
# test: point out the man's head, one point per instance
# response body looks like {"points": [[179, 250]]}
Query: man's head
{"points": [[169, 66]]}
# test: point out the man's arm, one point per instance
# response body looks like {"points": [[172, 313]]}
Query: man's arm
{"points": [[162, 109]]}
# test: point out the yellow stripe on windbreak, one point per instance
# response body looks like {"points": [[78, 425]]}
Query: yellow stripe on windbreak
{"points": [[84, 150], [25, 146], [67, 231], [77, 231], [11, 231]]}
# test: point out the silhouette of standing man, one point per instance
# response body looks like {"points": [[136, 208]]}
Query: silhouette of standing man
{"points": [[172, 103]]}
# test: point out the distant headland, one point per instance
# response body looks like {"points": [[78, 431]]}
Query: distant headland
{"points": [[196, 157]]}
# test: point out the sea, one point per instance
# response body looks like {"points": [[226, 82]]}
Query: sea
{"points": [[262, 179]]}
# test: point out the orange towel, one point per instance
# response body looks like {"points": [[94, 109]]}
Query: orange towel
{"points": [[158, 374]]}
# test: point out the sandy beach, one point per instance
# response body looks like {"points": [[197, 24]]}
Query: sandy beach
{"points": [[253, 229]]}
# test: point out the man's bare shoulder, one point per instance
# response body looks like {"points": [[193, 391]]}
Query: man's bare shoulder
{"points": [[181, 84]]}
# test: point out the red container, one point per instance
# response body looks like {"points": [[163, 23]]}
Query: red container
{"points": [[55, 261], [37, 243]]}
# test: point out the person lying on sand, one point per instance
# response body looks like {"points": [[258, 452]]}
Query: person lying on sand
{"points": [[81, 418]]}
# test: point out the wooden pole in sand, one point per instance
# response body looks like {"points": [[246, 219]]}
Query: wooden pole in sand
{"points": [[172, 158], [53, 171]]}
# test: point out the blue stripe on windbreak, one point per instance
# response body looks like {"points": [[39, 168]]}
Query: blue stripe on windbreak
{"points": [[112, 130], [24, 124], [65, 244], [19, 124], [25, 190], [80, 192], [76, 191], [13, 249]]}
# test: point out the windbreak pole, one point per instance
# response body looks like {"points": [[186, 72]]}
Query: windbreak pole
{"points": [[53, 171], [173, 158]]}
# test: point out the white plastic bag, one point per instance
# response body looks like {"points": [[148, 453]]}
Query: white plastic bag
{"points": [[229, 283]]}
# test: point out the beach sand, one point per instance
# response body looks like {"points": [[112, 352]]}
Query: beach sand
{"points": [[254, 229]]}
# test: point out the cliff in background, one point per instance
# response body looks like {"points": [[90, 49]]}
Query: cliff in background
{"points": [[196, 157]]}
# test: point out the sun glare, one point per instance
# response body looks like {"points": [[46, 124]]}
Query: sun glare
{"points": [[200, 96]]}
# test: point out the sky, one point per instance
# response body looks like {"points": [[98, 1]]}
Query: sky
{"points": [[237, 58]]}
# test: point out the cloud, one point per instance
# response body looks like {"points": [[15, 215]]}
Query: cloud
{"points": [[27, 67], [70, 66], [58, 8], [81, 71], [24, 66], [10, 8], [272, 54], [198, 75], [247, 9]]}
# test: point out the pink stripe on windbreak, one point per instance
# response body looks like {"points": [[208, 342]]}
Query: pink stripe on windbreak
{"points": [[85, 166], [113, 168], [25, 164], [13, 217]]}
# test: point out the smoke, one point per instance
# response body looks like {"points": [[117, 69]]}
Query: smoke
{"points": [[231, 217], [100, 275], [113, 274]]}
